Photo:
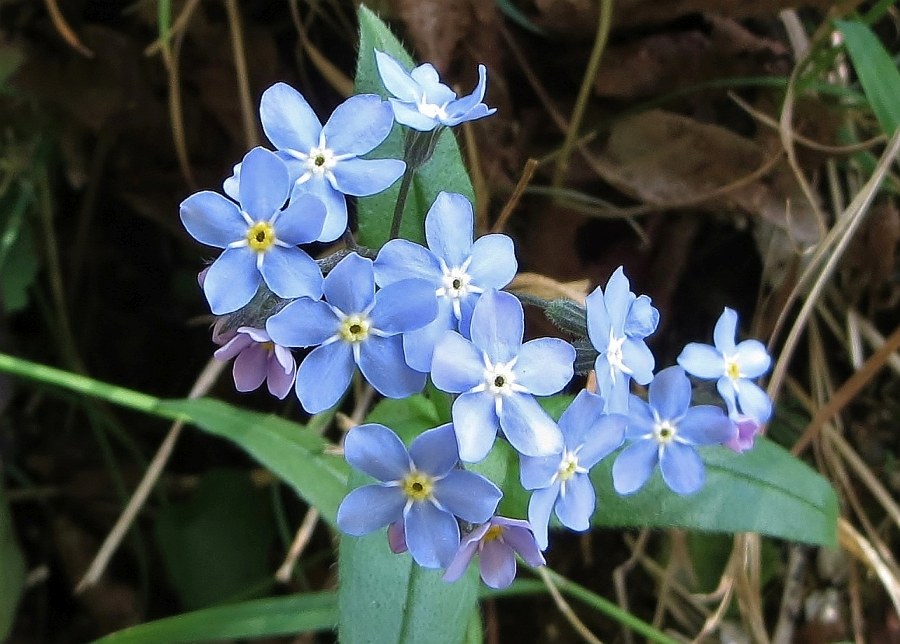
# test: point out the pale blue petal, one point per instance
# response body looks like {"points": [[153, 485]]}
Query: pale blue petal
{"points": [[432, 535], [231, 281], [264, 184], [212, 219], [638, 357], [536, 472], [408, 114], [498, 325], [448, 228], [404, 306], [288, 120], [418, 346], [545, 365], [457, 116], [377, 451], [539, 508], [400, 259], [324, 375], [598, 323], [231, 185], [335, 206], [369, 508], [497, 564], [290, 272], [364, 177], [396, 79], [350, 286], [753, 401], [670, 393], [682, 469], [575, 507], [752, 358], [463, 558], [381, 362], [634, 465], [463, 106], [706, 425], [702, 360], [494, 262], [528, 428], [643, 318], [619, 395], [475, 423], [618, 300], [606, 436], [358, 125], [640, 419], [433, 90], [302, 221], [302, 323], [728, 393], [434, 451], [725, 331], [467, 495], [457, 364]]}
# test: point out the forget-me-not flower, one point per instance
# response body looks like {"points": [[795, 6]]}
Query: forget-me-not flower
{"points": [[258, 360], [325, 161], [561, 481], [260, 239], [496, 544], [497, 378], [459, 270], [733, 365], [422, 102], [354, 326], [420, 489], [667, 431], [617, 324]]}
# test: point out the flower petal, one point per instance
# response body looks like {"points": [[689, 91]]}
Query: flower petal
{"points": [[494, 262], [396, 79], [702, 360], [279, 381], [618, 299], [212, 219], [377, 451], [467, 495], [682, 469], [364, 177], [233, 347], [497, 564], [302, 323], [539, 508], [288, 120], [457, 365], [466, 104], [404, 306], [358, 125], [536, 472], [598, 323], [518, 535], [753, 401], [418, 345], [432, 535], [575, 507], [461, 560], [350, 286], [335, 206], [475, 423], [434, 451], [579, 418], [231, 281], [324, 375], [641, 419], [725, 331], [528, 428], [643, 318], [383, 365], [448, 228], [706, 425], [606, 437], [302, 221], [408, 114], [634, 465], [638, 357], [250, 368], [369, 508], [264, 185], [752, 358], [290, 272], [433, 90], [498, 325], [670, 393], [400, 259], [545, 365]]}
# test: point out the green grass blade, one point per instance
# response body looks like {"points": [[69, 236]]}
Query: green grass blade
{"points": [[877, 73]]}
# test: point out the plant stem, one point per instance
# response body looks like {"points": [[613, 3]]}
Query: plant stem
{"points": [[405, 184]]}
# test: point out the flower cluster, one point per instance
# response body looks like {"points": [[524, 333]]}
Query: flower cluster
{"points": [[406, 313]]}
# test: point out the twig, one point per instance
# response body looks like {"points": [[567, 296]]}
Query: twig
{"points": [[243, 79], [71, 38], [304, 533], [792, 598], [527, 173], [565, 609]]}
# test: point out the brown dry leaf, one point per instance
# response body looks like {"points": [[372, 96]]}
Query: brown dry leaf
{"points": [[549, 288], [871, 258], [663, 158]]}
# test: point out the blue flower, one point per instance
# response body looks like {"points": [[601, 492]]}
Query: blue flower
{"points": [[617, 325], [325, 161], [561, 481], [423, 102], [733, 365], [259, 237], [666, 431], [498, 376], [356, 326], [459, 270], [421, 486], [496, 544]]}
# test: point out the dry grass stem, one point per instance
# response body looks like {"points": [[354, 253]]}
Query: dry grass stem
{"points": [[565, 609], [62, 26], [513, 201]]}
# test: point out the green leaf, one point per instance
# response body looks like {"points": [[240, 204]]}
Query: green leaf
{"points": [[445, 170], [259, 618], [294, 454], [12, 570], [877, 73], [383, 597], [215, 545], [765, 490]]}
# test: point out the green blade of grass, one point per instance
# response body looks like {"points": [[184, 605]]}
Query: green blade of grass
{"points": [[877, 73]]}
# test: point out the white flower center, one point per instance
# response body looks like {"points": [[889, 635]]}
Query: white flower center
{"points": [[432, 111], [320, 160], [664, 432], [456, 284], [499, 381], [614, 356]]}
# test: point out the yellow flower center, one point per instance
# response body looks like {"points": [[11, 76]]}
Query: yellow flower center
{"points": [[417, 486], [354, 328], [493, 533], [261, 236], [732, 370], [568, 467]]}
